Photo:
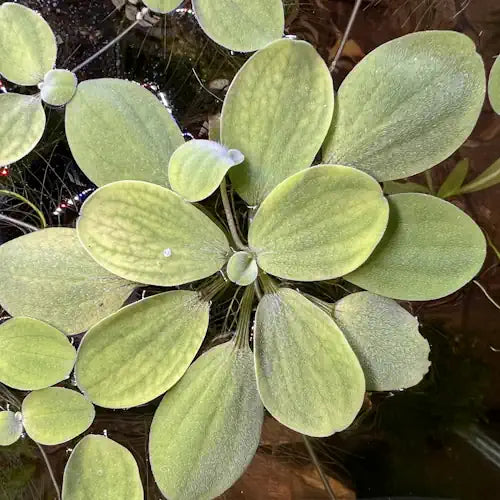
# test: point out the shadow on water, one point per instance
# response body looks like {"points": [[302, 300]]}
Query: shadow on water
{"points": [[439, 440]]}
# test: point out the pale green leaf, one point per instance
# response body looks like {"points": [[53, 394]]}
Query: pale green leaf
{"points": [[385, 339], [118, 130], [207, 428], [101, 469], [430, 249], [162, 6], [49, 276], [147, 233], [241, 25], [197, 168], [489, 178], [452, 184], [308, 377], [408, 105], [28, 46], [33, 355], [22, 122], [11, 427], [56, 415], [391, 187], [138, 353], [277, 113], [319, 224], [494, 86], [242, 268], [58, 87]]}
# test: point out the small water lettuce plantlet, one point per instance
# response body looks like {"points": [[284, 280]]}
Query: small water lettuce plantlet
{"points": [[407, 106]]}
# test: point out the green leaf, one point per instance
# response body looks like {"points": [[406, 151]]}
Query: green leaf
{"points": [[408, 105], [490, 177], [277, 113], [140, 352], [101, 469], [33, 355], [242, 268], [494, 86], [56, 415], [452, 184], [319, 224], [197, 168], [385, 339], [241, 25], [22, 122], [391, 187], [149, 234], [28, 46], [118, 130], [11, 427], [207, 428], [430, 249], [49, 276], [162, 6], [308, 377], [58, 87]]}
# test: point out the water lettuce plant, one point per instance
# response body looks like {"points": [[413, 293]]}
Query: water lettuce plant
{"points": [[407, 106]]}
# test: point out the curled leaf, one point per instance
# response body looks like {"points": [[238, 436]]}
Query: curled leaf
{"points": [[140, 352], [430, 249], [408, 105], [385, 339], [319, 224], [197, 168], [11, 427], [27, 45], [170, 243], [33, 355], [58, 87], [452, 184], [207, 428], [101, 469], [56, 415], [494, 86], [308, 377], [242, 268], [49, 276]]}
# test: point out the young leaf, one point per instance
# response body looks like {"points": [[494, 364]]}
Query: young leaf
{"points": [[385, 339], [451, 186], [22, 122], [149, 234], [56, 415], [49, 276], [319, 224], [58, 87], [11, 427], [391, 187], [242, 268], [101, 469], [118, 130], [308, 377], [197, 168], [33, 355], [140, 352], [494, 86], [28, 46], [162, 6], [207, 428], [241, 25], [430, 249], [277, 113], [408, 105], [490, 177]]}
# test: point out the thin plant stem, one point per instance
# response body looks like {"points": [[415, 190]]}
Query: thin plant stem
{"points": [[430, 183], [19, 223], [51, 472], [258, 291], [29, 203], [350, 24], [317, 464], [488, 296], [229, 216], [243, 327]]}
